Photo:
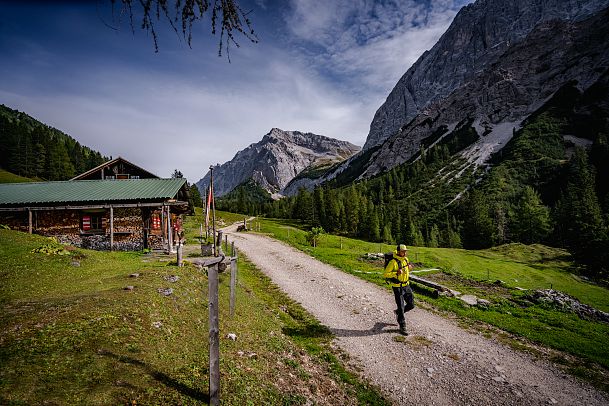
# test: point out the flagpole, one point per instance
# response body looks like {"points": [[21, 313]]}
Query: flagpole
{"points": [[206, 214], [213, 202]]}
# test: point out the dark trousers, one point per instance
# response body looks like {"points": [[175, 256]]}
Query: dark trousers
{"points": [[404, 299]]}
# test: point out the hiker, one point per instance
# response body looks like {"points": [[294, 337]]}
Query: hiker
{"points": [[397, 273]]}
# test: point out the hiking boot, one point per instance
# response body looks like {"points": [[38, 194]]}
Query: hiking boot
{"points": [[403, 331]]}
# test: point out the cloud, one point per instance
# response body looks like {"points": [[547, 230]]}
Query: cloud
{"points": [[370, 44], [162, 121]]}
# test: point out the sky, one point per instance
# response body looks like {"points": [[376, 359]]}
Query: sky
{"points": [[320, 66]]}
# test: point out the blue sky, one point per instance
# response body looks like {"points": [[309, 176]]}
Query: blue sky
{"points": [[321, 66]]}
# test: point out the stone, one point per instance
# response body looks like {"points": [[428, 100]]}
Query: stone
{"points": [[172, 278], [129, 288], [469, 299], [165, 291], [134, 275], [231, 336]]}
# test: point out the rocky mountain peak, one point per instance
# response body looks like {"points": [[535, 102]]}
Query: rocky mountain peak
{"points": [[277, 159], [480, 33]]}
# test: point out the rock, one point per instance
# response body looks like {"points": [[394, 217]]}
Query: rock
{"points": [[172, 278], [134, 275], [157, 324], [75, 263], [469, 299], [567, 303], [165, 291], [483, 303], [129, 288], [231, 336]]}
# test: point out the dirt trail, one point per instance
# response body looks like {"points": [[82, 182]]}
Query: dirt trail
{"points": [[438, 364]]}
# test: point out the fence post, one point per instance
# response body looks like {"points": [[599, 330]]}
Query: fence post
{"points": [[233, 283], [218, 244], [214, 340], [179, 253]]}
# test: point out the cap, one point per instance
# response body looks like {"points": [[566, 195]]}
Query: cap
{"points": [[402, 247]]}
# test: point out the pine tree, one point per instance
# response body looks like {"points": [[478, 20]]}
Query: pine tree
{"points": [[579, 214], [477, 225], [434, 237], [531, 220]]}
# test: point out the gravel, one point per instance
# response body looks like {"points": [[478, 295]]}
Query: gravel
{"points": [[439, 363]]}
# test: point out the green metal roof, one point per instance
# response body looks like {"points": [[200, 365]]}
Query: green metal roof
{"points": [[88, 191]]}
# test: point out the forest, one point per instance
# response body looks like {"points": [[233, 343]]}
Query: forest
{"points": [[37, 151]]}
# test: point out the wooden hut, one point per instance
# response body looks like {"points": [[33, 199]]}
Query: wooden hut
{"points": [[133, 213]]}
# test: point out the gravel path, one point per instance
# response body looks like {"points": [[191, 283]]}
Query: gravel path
{"points": [[437, 364]]}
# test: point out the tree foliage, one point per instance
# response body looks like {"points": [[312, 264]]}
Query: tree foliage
{"points": [[226, 16]]}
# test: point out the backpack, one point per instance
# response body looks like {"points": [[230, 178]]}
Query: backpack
{"points": [[388, 256]]}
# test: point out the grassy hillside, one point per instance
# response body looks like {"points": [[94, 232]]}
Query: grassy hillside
{"points": [[8, 177], [492, 274], [71, 334]]}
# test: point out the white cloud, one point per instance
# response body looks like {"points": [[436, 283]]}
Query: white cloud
{"points": [[162, 122], [369, 43]]}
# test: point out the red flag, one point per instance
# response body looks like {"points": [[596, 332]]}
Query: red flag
{"points": [[209, 199]]}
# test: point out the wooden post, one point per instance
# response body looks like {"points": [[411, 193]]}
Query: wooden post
{"points": [[29, 220], [232, 248], [145, 216], [169, 230], [214, 339], [179, 254], [226, 243], [111, 228], [218, 244], [233, 283], [163, 226]]}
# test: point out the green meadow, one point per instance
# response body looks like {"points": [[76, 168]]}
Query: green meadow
{"points": [[72, 332]]}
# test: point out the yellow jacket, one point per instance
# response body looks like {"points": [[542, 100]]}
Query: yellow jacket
{"points": [[391, 271]]}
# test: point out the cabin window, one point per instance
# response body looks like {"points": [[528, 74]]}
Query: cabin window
{"points": [[122, 176], [93, 222]]}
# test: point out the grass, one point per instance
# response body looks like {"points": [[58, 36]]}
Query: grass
{"points": [[477, 272], [71, 334], [9, 177]]}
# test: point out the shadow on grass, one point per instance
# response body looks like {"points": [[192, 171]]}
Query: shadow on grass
{"points": [[160, 376]]}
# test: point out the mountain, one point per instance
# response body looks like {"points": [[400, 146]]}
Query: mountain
{"points": [[495, 65], [278, 159], [480, 34]]}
